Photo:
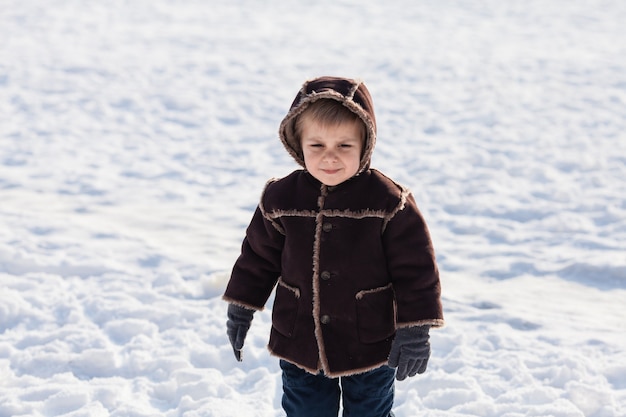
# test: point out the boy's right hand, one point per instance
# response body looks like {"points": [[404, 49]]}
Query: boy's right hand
{"points": [[239, 319]]}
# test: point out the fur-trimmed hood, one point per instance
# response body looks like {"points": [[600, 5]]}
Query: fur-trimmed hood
{"points": [[353, 94]]}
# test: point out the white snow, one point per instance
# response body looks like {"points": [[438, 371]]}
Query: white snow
{"points": [[135, 139]]}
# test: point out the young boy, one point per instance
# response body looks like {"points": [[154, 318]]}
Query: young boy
{"points": [[357, 286]]}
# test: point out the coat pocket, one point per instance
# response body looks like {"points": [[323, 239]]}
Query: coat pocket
{"points": [[285, 309], [376, 314]]}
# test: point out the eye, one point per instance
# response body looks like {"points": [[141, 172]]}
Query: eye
{"points": [[345, 145]]}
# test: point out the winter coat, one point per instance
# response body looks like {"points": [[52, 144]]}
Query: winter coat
{"points": [[350, 263]]}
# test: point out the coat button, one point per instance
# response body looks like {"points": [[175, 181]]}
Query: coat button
{"points": [[327, 227], [325, 275], [325, 319]]}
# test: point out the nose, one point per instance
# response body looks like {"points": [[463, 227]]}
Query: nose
{"points": [[329, 155]]}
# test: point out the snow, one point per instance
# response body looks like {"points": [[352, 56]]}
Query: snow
{"points": [[135, 139]]}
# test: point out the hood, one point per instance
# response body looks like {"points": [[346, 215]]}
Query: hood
{"points": [[351, 93]]}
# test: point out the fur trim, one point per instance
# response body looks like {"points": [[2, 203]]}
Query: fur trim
{"points": [[360, 294], [355, 86], [356, 371], [319, 337], [349, 214], [274, 214], [264, 213], [242, 304], [294, 290], [326, 372], [435, 323], [403, 196], [304, 368]]}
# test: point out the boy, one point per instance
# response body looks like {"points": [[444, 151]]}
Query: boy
{"points": [[357, 286]]}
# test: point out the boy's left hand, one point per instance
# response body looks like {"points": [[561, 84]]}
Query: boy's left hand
{"points": [[410, 351]]}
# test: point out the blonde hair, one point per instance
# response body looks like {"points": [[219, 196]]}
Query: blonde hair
{"points": [[327, 112]]}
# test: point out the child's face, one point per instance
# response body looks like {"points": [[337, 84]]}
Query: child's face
{"points": [[332, 154]]}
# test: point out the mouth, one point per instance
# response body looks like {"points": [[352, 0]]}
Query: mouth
{"points": [[330, 171]]}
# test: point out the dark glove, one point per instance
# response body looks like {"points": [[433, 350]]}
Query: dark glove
{"points": [[410, 351], [239, 319]]}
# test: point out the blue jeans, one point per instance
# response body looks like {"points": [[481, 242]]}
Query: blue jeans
{"points": [[369, 394]]}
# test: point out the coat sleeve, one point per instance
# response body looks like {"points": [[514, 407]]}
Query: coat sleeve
{"points": [[258, 267], [413, 268]]}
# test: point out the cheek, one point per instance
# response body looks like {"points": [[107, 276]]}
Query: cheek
{"points": [[356, 160]]}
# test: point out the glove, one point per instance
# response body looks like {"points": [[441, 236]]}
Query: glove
{"points": [[237, 325], [410, 351]]}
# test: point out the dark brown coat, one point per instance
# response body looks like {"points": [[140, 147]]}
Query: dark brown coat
{"points": [[350, 263]]}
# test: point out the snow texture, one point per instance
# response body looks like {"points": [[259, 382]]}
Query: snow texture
{"points": [[135, 139]]}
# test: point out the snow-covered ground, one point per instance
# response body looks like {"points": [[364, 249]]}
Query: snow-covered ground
{"points": [[136, 136]]}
